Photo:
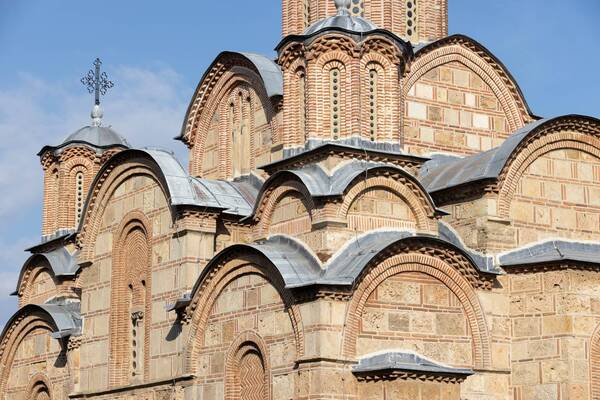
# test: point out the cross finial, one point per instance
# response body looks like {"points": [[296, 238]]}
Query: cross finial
{"points": [[97, 83]]}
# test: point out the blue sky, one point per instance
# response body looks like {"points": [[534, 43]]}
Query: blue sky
{"points": [[156, 51]]}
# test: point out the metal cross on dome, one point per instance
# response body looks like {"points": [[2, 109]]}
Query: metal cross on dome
{"points": [[97, 82]]}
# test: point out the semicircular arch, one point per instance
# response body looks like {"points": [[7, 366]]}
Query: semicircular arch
{"points": [[475, 57], [229, 265], [428, 265]]}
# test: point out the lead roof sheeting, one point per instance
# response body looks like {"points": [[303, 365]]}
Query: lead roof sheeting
{"points": [[222, 194], [293, 261], [355, 143], [551, 251], [61, 262], [346, 266], [346, 22], [448, 172], [405, 361], [178, 181], [270, 73], [66, 317]]}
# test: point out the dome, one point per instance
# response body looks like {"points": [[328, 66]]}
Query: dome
{"points": [[343, 20], [347, 22], [96, 136]]}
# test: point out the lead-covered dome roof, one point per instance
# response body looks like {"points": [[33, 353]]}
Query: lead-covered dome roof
{"points": [[343, 20], [96, 136]]}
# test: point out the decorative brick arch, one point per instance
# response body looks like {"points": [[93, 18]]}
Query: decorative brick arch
{"points": [[388, 85], [293, 132], [474, 57], [555, 137], [113, 174], [224, 271], [226, 65], [338, 45], [212, 100], [30, 273], [595, 365], [14, 333], [273, 196], [383, 47], [436, 268], [39, 388], [247, 342], [398, 184]]}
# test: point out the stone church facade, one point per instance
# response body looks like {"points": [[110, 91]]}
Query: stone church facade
{"points": [[376, 214]]}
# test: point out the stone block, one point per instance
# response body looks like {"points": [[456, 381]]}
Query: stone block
{"points": [[424, 91], [557, 324], [442, 95], [481, 121], [417, 110], [451, 117], [446, 75], [434, 114], [437, 295], [456, 97], [462, 78], [450, 324], [524, 327], [398, 322], [540, 392], [470, 100], [525, 373]]}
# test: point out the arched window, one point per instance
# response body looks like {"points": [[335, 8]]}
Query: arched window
{"points": [[39, 391], [79, 177], [235, 140], [334, 92], [136, 264], [412, 20], [306, 13], [357, 8], [302, 99], [373, 102], [131, 305], [247, 375]]}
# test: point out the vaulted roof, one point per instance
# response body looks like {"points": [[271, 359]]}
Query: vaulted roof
{"points": [[446, 172]]}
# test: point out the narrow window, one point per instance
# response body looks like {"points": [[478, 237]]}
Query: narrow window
{"points": [[373, 100], [411, 20], [306, 13], [302, 97], [235, 139], [357, 8], [78, 196], [246, 146], [334, 83]]}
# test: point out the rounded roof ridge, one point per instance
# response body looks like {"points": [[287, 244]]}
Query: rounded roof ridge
{"points": [[344, 21], [98, 137]]}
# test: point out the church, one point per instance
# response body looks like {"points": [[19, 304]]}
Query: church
{"points": [[375, 214]]}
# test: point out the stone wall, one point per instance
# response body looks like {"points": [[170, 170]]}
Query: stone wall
{"points": [[553, 316], [38, 358], [558, 195], [452, 109], [417, 312], [142, 195], [248, 309]]}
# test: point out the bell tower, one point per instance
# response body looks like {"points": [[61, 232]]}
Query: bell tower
{"points": [[416, 21]]}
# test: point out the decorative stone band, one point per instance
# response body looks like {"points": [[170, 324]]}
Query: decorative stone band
{"points": [[406, 365]]}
